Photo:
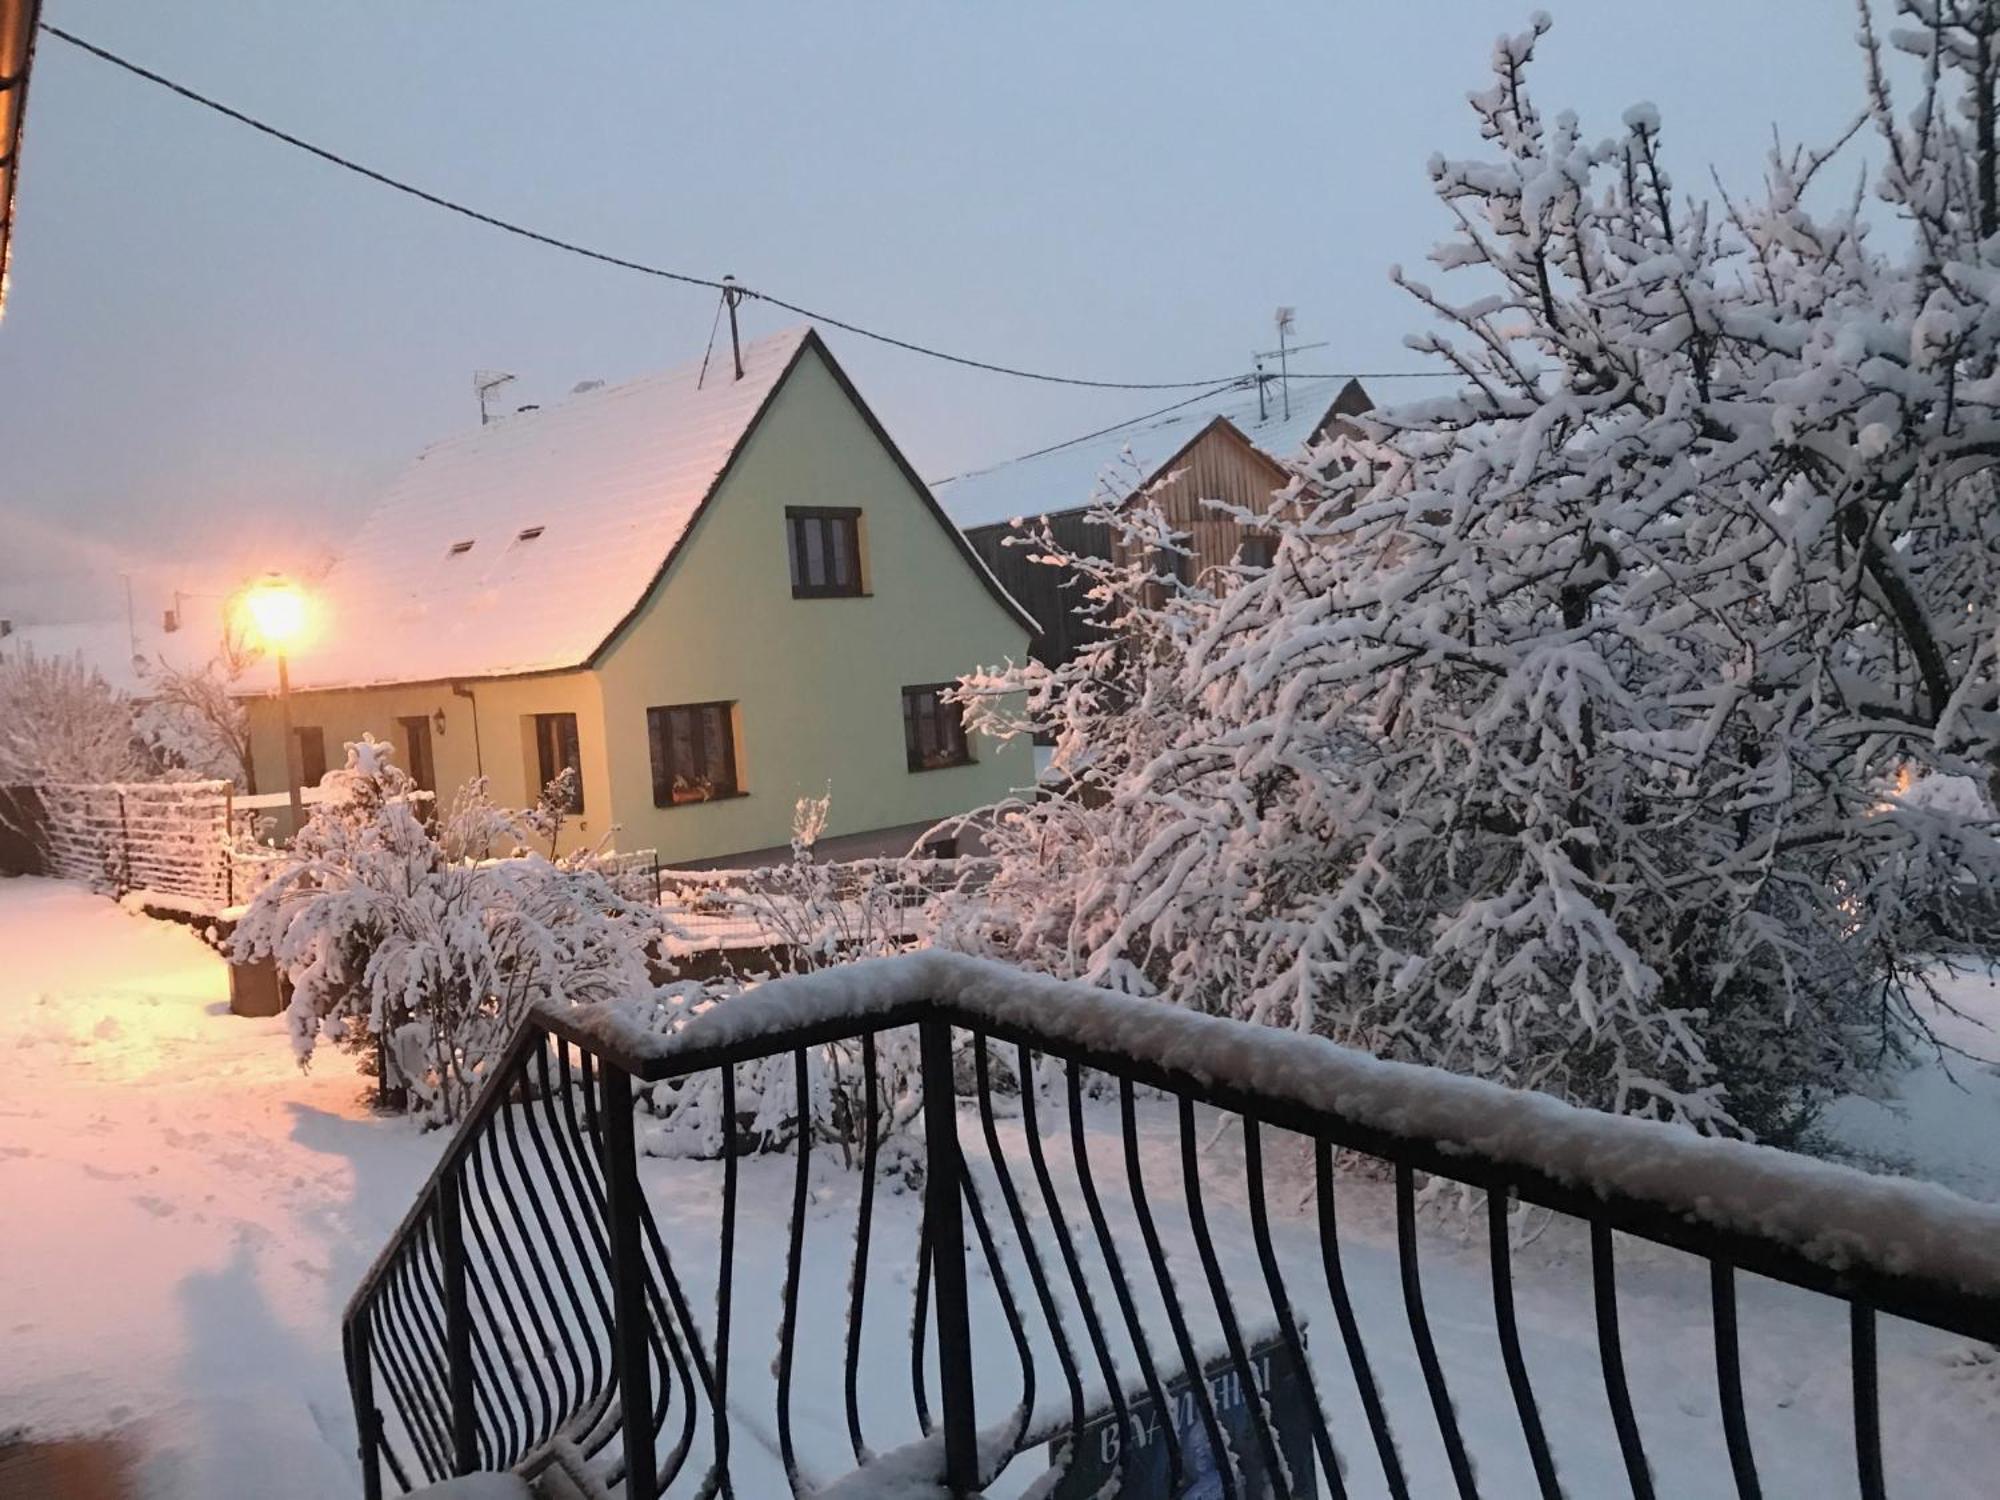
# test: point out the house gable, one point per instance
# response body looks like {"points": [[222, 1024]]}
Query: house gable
{"points": [[813, 346], [813, 685]]}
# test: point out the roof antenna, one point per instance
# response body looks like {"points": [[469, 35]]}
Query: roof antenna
{"points": [[484, 383], [1286, 317], [1262, 414], [731, 295]]}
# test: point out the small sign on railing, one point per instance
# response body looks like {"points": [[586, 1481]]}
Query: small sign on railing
{"points": [[1146, 1471]]}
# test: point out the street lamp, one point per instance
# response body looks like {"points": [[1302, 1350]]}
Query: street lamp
{"points": [[276, 607]]}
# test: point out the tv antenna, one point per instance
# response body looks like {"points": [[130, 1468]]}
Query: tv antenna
{"points": [[484, 384], [1285, 319]]}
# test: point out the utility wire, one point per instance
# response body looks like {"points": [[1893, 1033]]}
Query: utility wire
{"points": [[644, 269], [1241, 383], [369, 172]]}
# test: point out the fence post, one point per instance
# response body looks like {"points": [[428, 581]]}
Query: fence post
{"points": [[631, 1352], [457, 1326], [944, 1172], [124, 847]]}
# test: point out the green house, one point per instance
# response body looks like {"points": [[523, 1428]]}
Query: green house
{"points": [[709, 595]]}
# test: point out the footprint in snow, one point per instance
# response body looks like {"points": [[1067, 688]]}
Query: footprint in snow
{"points": [[159, 1208]]}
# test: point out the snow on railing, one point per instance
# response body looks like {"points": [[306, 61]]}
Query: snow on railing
{"points": [[1835, 1215]]}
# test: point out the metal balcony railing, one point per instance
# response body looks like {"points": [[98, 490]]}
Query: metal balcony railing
{"points": [[1042, 1249]]}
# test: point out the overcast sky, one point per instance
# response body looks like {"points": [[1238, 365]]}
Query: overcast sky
{"points": [[216, 347]]}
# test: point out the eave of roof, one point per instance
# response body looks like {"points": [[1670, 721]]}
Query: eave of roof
{"points": [[17, 55]]}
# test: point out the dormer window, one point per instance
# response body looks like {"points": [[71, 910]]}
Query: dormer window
{"points": [[529, 533], [459, 549]]}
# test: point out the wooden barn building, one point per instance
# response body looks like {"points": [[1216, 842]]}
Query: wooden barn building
{"points": [[1229, 449]]}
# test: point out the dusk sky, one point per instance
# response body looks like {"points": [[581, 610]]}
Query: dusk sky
{"points": [[217, 347]]}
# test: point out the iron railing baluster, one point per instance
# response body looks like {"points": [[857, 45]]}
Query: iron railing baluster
{"points": [[1604, 1285], [423, 1396], [794, 1254], [857, 1280], [920, 1306], [358, 1358], [1867, 1402], [1232, 1486], [944, 1178], [1066, 1246], [593, 1346], [683, 1336], [487, 1231], [1420, 1335], [542, 1309], [1120, 1287], [1218, 1291], [507, 1436], [1350, 1327], [1729, 1379], [1037, 1275], [725, 1276], [1499, 1251], [1010, 1310], [457, 1329], [633, 1351], [1281, 1305], [485, 1393]]}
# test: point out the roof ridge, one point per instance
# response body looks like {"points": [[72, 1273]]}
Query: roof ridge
{"points": [[788, 338]]}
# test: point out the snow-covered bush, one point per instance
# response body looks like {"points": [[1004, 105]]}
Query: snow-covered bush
{"points": [[434, 936], [1559, 743]]}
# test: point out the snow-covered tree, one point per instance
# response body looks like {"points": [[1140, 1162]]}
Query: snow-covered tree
{"points": [[61, 722], [434, 936], [1560, 742], [192, 716]]}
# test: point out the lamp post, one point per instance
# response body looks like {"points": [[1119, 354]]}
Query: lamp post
{"points": [[277, 610]]}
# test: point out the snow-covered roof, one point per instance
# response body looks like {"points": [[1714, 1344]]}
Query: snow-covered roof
{"points": [[523, 545], [123, 655], [1067, 477]]}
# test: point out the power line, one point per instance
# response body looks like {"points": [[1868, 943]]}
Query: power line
{"points": [[554, 242], [1241, 383], [1370, 375]]}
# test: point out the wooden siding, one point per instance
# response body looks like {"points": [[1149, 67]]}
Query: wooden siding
{"points": [[1049, 594], [1218, 464]]}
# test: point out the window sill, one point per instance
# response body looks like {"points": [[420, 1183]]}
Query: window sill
{"points": [[832, 594], [698, 802], [950, 765]]}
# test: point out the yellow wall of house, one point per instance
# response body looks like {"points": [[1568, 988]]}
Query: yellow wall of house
{"points": [[503, 743], [817, 683]]}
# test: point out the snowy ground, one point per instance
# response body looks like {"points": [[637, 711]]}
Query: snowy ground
{"points": [[1940, 1120], [182, 1215]]}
